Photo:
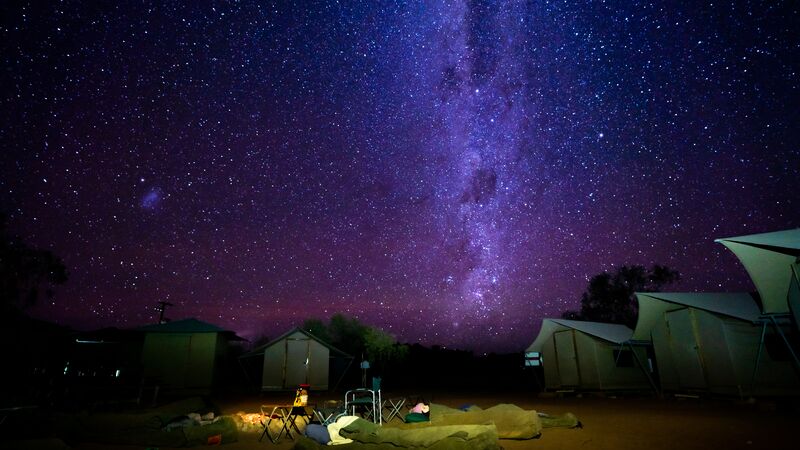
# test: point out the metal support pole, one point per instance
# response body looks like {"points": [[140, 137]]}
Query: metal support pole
{"points": [[645, 370], [758, 357], [785, 341]]}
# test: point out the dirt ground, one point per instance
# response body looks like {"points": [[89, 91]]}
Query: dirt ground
{"points": [[608, 422]]}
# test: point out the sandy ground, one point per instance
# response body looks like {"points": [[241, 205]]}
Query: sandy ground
{"points": [[608, 423]]}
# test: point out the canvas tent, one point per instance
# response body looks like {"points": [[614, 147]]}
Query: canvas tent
{"points": [[771, 260], [297, 357], [589, 356], [709, 342], [768, 258], [184, 354], [794, 294]]}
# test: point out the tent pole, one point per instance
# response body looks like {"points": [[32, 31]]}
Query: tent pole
{"points": [[758, 357], [785, 341], [644, 369]]}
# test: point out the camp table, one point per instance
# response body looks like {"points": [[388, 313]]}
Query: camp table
{"points": [[287, 414]]}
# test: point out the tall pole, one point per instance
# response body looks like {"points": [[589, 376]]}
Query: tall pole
{"points": [[162, 306]]}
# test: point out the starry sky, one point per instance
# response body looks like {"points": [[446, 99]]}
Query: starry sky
{"points": [[451, 172]]}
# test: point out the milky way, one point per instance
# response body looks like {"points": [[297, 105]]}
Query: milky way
{"points": [[449, 171]]}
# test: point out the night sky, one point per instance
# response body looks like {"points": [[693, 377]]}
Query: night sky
{"points": [[451, 172]]}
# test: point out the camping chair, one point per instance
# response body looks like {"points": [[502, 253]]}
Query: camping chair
{"points": [[368, 400], [274, 413], [329, 412], [392, 407]]}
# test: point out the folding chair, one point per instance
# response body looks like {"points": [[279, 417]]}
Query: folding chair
{"points": [[392, 407], [287, 415], [277, 413], [329, 412], [368, 400]]}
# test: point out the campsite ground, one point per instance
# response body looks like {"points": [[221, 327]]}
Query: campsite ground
{"points": [[632, 423], [608, 422]]}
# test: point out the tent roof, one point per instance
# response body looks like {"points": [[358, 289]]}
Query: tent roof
{"points": [[260, 349], [768, 257], [186, 326], [786, 239], [652, 304], [610, 332]]}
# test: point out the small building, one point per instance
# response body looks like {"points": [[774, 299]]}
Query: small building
{"points": [[107, 353], [185, 354], [585, 355], [297, 357], [710, 342]]}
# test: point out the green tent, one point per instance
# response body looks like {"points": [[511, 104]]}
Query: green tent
{"points": [[185, 354], [589, 356], [768, 258], [794, 294], [709, 342]]}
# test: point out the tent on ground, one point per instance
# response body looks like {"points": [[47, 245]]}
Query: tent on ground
{"points": [[185, 354], [297, 357], [709, 342], [589, 356]]}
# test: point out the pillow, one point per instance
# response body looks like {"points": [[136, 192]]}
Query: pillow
{"points": [[318, 433]]}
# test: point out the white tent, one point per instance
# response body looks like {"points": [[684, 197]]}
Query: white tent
{"points": [[772, 259], [768, 258], [710, 342], [297, 357], [589, 355]]}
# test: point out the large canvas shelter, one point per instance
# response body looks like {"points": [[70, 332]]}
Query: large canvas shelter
{"points": [[710, 342], [589, 356], [298, 357], [768, 258], [184, 354], [772, 259], [794, 294]]}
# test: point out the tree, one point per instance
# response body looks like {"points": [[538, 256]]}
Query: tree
{"points": [[358, 339], [25, 272], [348, 334], [381, 347], [317, 328], [610, 296]]}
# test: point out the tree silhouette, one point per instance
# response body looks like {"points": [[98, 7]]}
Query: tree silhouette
{"points": [[610, 297], [26, 273], [357, 339]]}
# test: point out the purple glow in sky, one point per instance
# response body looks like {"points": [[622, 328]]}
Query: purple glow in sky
{"points": [[451, 171]]}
